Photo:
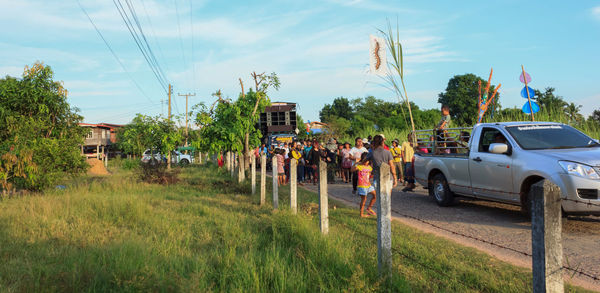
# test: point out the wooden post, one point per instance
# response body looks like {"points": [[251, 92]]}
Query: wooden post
{"points": [[98, 152], [293, 186], [384, 222], [323, 200], [253, 173], [82, 150], [546, 242], [275, 184], [199, 158], [263, 179]]}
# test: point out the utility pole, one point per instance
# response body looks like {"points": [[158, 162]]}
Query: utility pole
{"points": [[169, 155], [170, 89], [186, 114]]}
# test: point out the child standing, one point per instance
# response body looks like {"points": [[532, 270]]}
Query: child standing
{"points": [[280, 162], [364, 169], [441, 128]]}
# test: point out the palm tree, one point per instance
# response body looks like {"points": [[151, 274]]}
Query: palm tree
{"points": [[572, 112]]}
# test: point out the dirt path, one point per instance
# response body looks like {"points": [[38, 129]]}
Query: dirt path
{"points": [[494, 222]]}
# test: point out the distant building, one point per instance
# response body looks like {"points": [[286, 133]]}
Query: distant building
{"points": [[316, 127], [279, 118], [98, 136]]}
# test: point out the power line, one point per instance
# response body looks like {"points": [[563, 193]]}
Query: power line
{"points": [[192, 28], [153, 32], [149, 49], [113, 52], [138, 41], [180, 37]]}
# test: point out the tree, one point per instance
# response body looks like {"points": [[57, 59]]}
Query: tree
{"points": [[549, 102], [339, 108], [572, 112], [146, 132], [40, 134], [595, 116], [227, 125], [461, 96]]}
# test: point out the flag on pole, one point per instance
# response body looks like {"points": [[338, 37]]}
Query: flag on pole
{"points": [[377, 55]]}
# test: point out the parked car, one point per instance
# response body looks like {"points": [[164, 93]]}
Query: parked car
{"points": [[176, 157], [501, 161]]}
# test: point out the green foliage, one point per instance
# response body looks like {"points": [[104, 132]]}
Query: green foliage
{"points": [[146, 132], [223, 128], [339, 108], [40, 133], [461, 96], [301, 127], [374, 115]]}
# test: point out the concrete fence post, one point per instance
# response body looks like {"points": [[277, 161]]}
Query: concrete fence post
{"points": [[227, 156], [293, 186], [384, 222], [323, 200], [241, 171], [199, 158], [275, 184], [253, 173], [232, 163], [263, 179], [546, 240], [105, 157]]}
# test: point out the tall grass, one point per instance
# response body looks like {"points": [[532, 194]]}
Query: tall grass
{"points": [[589, 127], [208, 234]]}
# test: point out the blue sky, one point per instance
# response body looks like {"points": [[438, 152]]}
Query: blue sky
{"points": [[319, 49]]}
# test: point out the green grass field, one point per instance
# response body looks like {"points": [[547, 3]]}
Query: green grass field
{"points": [[207, 234]]}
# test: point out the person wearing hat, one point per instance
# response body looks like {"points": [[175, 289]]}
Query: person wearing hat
{"points": [[397, 154], [384, 144]]}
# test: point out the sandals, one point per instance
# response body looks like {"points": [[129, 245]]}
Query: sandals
{"points": [[371, 212]]}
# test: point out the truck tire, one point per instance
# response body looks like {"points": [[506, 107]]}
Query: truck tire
{"points": [[440, 190], [184, 162]]}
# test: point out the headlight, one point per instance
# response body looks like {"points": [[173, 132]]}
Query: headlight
{"points": [[580, 170]]}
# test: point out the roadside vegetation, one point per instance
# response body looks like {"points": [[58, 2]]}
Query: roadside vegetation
{"points": [[208, 234]]}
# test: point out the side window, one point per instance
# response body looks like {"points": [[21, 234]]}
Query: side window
{"points": [[487, 137]]}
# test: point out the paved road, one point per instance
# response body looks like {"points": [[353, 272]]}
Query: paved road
{"points": [[499, 223]]}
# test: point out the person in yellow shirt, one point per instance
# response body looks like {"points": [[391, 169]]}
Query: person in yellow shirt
{"points": [[408, 154], [397, 154]]}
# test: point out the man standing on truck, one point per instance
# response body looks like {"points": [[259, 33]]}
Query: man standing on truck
{"points": [[355, 155]]}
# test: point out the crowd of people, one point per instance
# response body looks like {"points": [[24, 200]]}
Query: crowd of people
{"points": [[355, 164]]}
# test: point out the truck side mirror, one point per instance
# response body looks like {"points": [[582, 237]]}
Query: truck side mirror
{"points": [[498, 148]]}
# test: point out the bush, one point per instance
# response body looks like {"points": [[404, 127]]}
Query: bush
{"points": [[40, 133], [156, 172]]}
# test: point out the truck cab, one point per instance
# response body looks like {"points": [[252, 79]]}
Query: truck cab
{"points": [[501, 161]]}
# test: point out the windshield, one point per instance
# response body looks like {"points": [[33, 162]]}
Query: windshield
{"points": [[552, 136]]}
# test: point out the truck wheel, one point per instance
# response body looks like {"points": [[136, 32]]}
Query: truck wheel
{"points": [[184, 162], [440, 191]]}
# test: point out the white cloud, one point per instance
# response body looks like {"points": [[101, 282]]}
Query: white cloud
{"points": [[14, 71], [596, 12]]}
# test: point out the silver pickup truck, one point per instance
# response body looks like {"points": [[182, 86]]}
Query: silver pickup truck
{"points": [[501, 161]]}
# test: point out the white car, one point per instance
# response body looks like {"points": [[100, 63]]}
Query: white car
{"points": [[176, 157]]}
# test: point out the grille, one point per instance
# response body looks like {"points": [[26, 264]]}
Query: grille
{"points": [[588, 193]]}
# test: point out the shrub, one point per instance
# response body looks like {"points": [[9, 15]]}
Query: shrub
{"points": [[156, 172]]}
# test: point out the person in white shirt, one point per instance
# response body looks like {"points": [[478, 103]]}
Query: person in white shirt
{"points": [[355, 155]]}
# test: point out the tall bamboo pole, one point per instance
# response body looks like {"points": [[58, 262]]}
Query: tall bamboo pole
{"points": [[527, 90]]}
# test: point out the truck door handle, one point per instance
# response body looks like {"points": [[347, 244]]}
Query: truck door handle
{"points": [[478, 159]]}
